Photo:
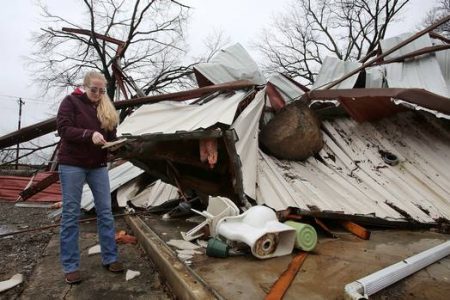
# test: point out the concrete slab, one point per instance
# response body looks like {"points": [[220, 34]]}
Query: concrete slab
{"points": [[47, 280], [183, 282], [333, 264]]}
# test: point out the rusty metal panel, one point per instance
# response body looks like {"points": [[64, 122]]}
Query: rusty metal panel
{"points": [[420, 97], [366, 109], [11, 186], [276, 101]]}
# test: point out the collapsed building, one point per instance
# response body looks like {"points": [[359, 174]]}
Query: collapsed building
{"points": [[384, 156], [368, 143]]}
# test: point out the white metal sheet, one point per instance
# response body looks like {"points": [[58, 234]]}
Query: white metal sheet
{"points": [[169, 116], [288, 90], [419, 43], [352, 177], [153, 195], [423, 73], [247, 129], [375, 77], [332, 69], [443, 58], [230, 64]]}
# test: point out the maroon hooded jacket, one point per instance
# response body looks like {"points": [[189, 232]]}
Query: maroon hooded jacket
{"points": [[76, 122]]}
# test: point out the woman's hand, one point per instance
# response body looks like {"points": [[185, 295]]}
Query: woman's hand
{"points": [[98, 139]]}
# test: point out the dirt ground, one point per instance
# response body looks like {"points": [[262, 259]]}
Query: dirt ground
{"points": [[20, 253], [36, 256]]}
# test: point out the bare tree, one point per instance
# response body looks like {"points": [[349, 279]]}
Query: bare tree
{"points": [[311, 30], [7, 155], [436, 13], [144, 38]]}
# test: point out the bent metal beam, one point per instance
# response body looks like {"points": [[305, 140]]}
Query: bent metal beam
{"points": [[39, 129]]}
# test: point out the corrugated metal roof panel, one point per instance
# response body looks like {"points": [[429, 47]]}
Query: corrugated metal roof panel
{"points": [[419, 43], [443, 58], [333, 69], [287, 88], [375, 77], [153, 195], [423, 73], [231, 64], [169, 117], [352, 177], [247, 130], [11, 186]]}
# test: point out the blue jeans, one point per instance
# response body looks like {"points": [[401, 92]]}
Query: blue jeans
{"points": [[72, 180]]}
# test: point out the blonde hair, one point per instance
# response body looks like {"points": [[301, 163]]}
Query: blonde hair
{"points": [[106, 112]]}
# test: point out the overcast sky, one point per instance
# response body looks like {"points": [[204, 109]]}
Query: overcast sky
{"points": [[241, 20]]}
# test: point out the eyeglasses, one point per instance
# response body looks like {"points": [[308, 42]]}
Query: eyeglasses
{"points": [[96, 90]]}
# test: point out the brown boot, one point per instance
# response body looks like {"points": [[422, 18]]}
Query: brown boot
{"points": [[115, 267], [72, 277]]}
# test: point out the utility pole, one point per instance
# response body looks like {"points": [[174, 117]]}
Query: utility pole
{"points": [[21, 102]]}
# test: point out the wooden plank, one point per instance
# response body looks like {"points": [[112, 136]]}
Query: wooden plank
{"points": [[282, 284], [357, 230]]}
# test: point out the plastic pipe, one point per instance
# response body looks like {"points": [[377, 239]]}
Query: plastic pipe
{"points": [[369, 285]]}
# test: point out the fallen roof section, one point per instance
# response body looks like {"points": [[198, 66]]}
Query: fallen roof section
{"points": [[351, 177], [175, 159], [230, 64]]}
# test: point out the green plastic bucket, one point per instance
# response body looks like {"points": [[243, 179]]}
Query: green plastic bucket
{"points": [[306, 235]]}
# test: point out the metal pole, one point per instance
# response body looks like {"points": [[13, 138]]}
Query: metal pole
{"points": [[21, 102]]}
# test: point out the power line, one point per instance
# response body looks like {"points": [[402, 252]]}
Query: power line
{"points": [[14, 98]]}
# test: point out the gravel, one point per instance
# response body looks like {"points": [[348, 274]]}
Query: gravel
{"points": [[20, 253]]}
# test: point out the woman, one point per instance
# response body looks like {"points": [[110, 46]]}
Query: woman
{"points": [[85, 122]]}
